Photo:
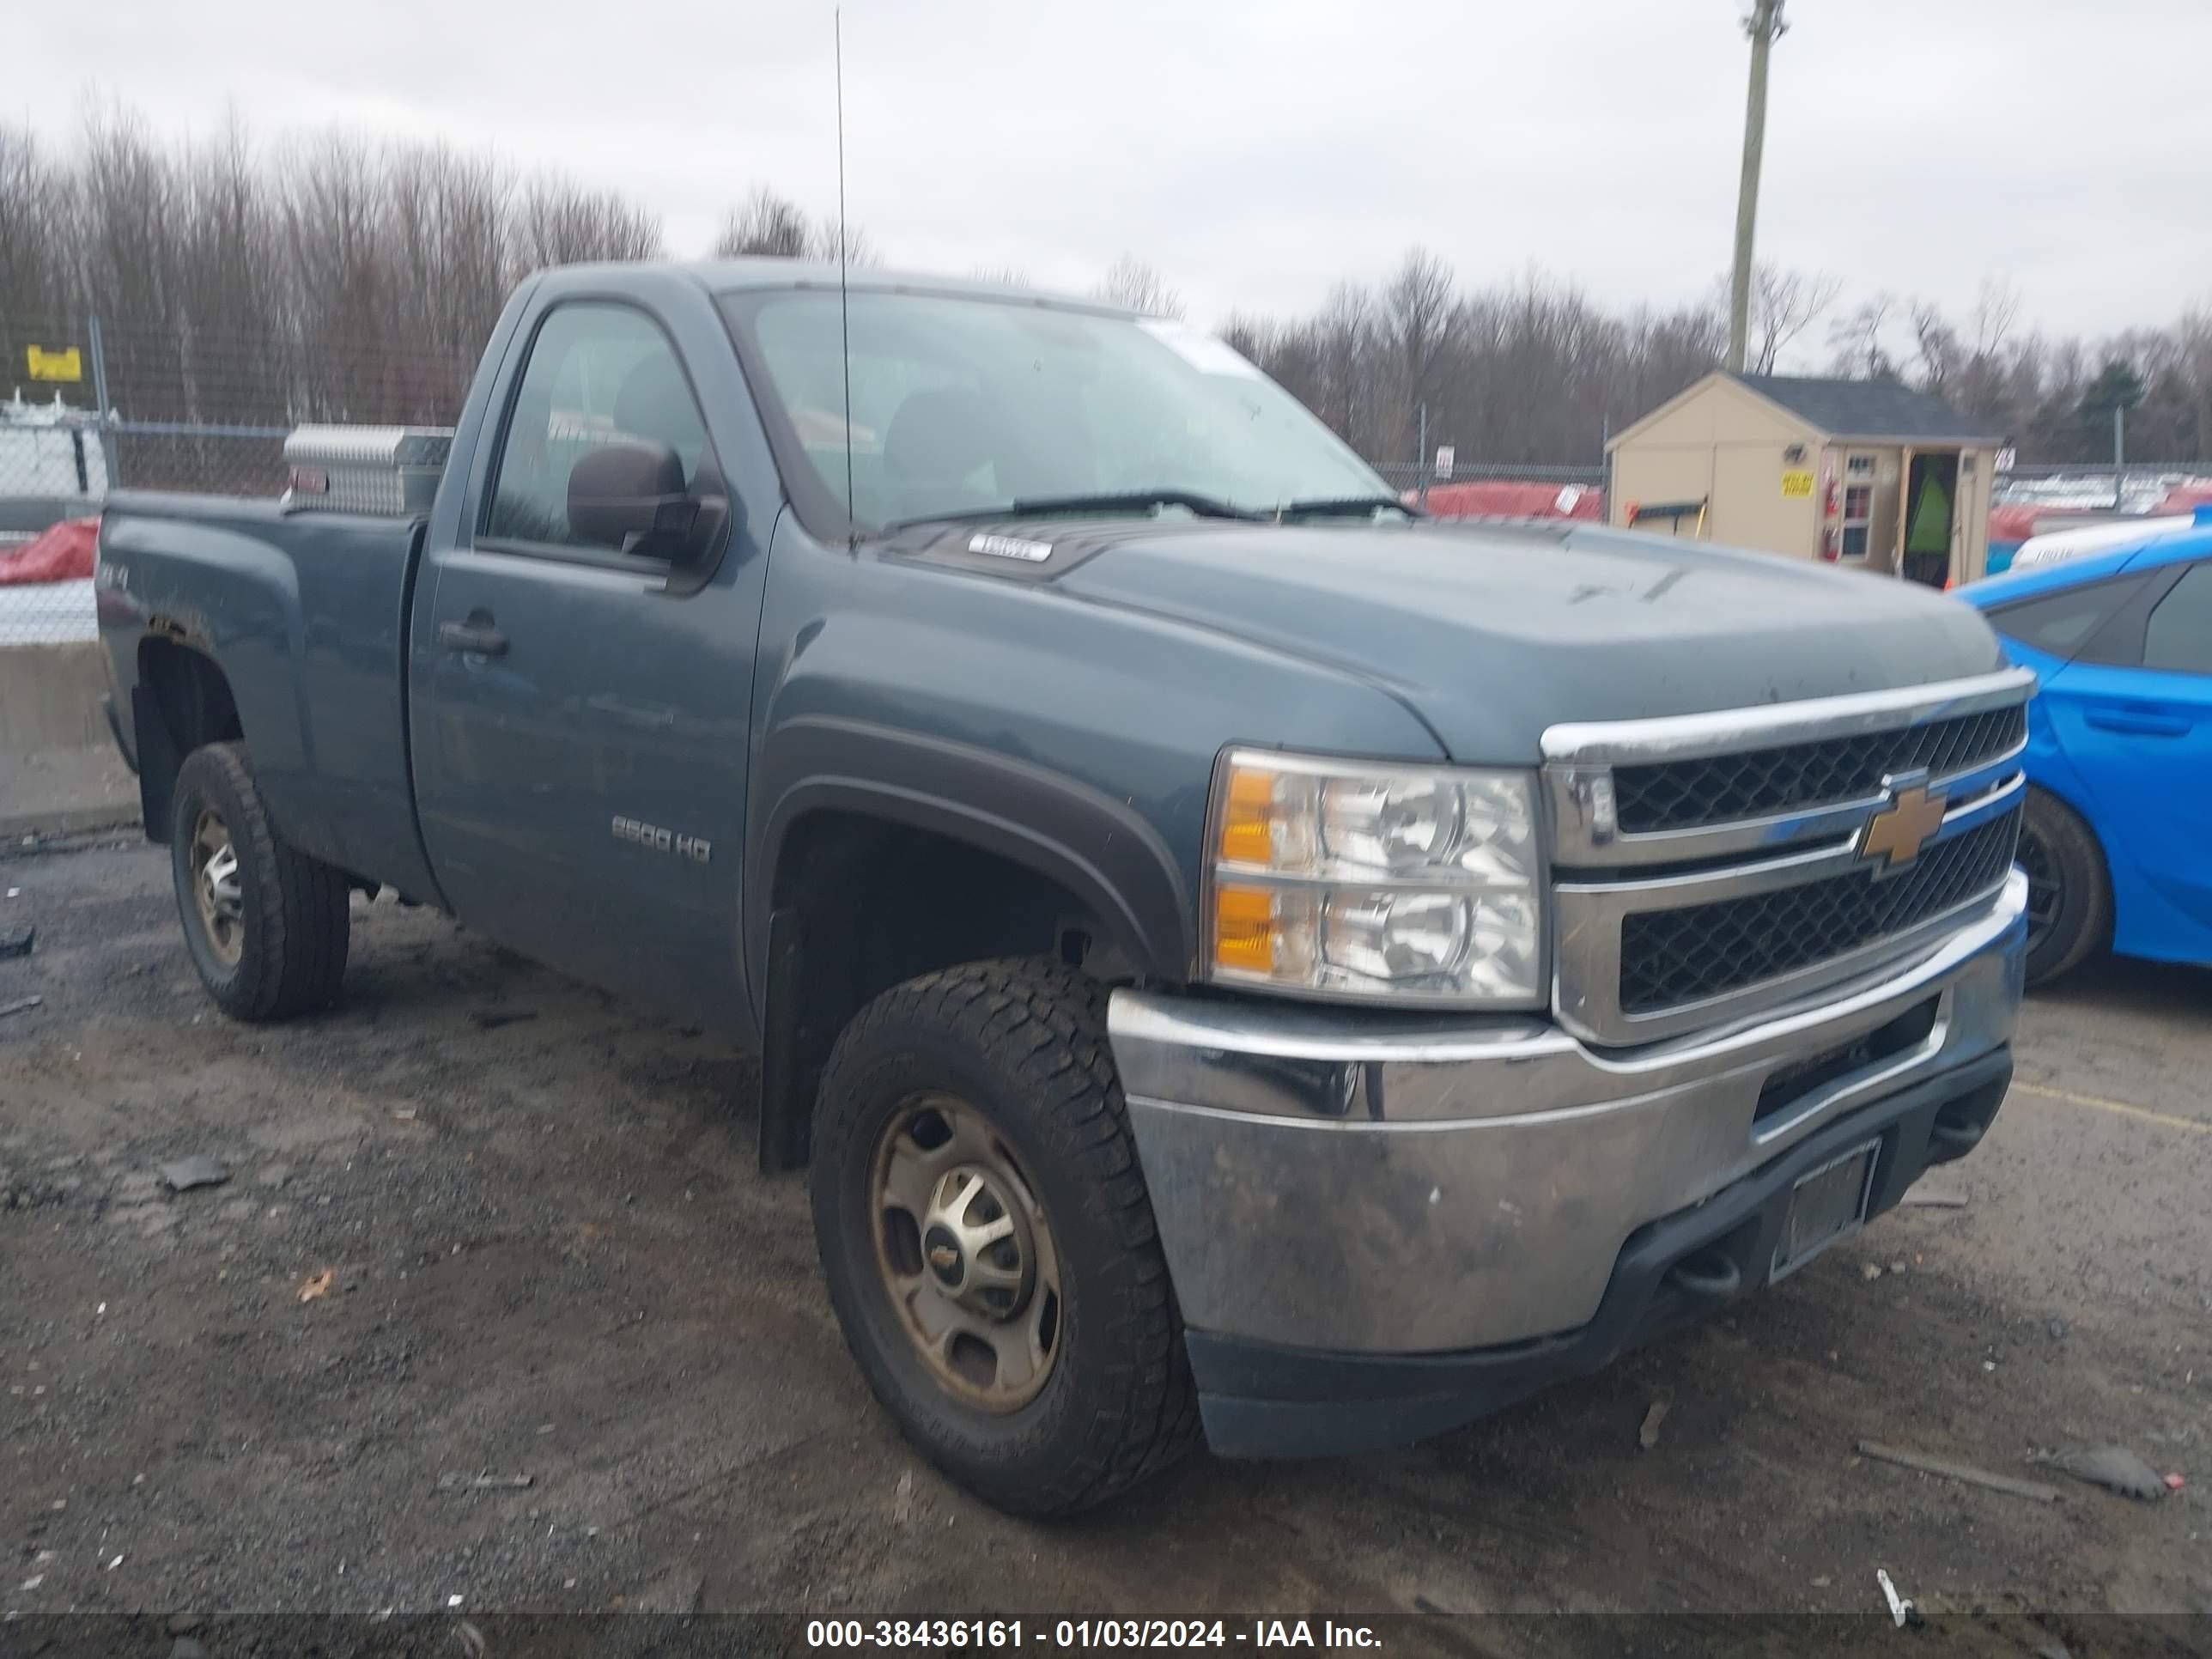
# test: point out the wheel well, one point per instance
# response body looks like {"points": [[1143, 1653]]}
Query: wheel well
{"points": [[182, 702], [862, 904]]}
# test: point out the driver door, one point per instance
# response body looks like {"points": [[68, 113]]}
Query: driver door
{"points": [[579, 735]]}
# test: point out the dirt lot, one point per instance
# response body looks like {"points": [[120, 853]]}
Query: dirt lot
{"points": [[549, 1255]]}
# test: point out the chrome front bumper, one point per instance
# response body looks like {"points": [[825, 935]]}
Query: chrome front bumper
{"points": [[1363, 1184]]}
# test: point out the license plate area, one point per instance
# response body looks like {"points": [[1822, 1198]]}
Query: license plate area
{"points": [[1826, 1204]]}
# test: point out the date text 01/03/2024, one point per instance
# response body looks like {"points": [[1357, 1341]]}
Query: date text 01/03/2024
{"points": [[1085, 1633]]}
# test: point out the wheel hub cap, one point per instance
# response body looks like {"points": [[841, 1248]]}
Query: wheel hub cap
{"points": [[965, 1254], [215, 889], [976, 1243]]}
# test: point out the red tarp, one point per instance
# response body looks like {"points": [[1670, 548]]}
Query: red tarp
{"points": [[1507, 498], [2013, 523], [62, 554]]}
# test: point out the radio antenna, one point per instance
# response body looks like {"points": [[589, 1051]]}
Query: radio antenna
{"points": [[844, 303]]}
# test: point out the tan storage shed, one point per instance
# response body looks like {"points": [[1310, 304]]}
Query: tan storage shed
{"points": [[1870, 474]]}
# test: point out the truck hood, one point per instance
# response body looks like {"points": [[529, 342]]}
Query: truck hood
{"points": [[1492, 633]]}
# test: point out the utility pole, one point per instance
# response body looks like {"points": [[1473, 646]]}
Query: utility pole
{"points": [[1421, 456], [1765, 25], [2119, 456]]}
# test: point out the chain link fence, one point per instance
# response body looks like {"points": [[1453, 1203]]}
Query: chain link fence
{"points": [[53, 466], [1413, 475], [57, 465], [46, 613], [86, 407]]}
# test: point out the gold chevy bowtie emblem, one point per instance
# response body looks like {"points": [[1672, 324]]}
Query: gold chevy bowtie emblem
{"points": [[944, 1258], [1897, 833]]}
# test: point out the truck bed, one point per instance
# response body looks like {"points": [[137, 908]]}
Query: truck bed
{"points": [[306, 614]]}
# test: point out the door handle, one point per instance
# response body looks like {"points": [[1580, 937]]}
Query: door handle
{"points": [[473, 639], [2137, 722]]}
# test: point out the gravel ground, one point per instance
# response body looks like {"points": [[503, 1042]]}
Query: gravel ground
{"points": [[548, 1260]]}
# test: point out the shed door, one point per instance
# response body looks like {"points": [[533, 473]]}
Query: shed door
{"points": [[1869, 481]]}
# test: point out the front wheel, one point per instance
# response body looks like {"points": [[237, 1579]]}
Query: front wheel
{"points": [[266, 925], [2070, 897], [989, 1246]]}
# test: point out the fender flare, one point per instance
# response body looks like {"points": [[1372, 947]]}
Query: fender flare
{"points": [[1096, 845]]}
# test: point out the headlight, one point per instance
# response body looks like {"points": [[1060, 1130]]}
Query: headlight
{"points": [[1413, 883]]}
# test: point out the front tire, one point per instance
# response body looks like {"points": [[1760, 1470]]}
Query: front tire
{"points": [[988, 1242], [2069, 896], [266, 925]]}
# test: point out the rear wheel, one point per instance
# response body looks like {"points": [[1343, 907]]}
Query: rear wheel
{"points": [[988, 1240], [2070, 897], [266, 925]]}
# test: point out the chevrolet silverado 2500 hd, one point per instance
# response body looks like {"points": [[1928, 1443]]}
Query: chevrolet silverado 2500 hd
{"points": [[1226, 951]]}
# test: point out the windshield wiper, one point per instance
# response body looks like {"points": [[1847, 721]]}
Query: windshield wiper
{"points": [[1131, 500], [1321, 507]]}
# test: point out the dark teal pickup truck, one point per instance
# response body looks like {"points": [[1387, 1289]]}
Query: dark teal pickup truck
{"points": [[1230, 954]]}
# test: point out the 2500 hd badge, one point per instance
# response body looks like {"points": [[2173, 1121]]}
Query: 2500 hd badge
{"points": [[697, 848]]}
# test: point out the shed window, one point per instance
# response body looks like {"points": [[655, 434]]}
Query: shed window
{"points": [[1858, 515], [1859, 466]]}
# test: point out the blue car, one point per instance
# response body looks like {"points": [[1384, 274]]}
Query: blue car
{"points": [[2118, 840]]}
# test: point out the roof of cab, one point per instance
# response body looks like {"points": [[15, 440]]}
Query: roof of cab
{"points": [[743, 276], [720, 277]]}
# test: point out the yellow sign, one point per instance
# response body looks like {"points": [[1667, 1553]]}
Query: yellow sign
{"points": [[54, 363], [1797, 485]]}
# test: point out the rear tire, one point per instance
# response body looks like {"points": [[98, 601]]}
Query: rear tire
{"points": [[266, 925], [1000, 1072], [2069, 899]]}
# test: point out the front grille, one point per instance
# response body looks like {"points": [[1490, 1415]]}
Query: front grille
{"points": [[1716, 789], [1668, 958]]}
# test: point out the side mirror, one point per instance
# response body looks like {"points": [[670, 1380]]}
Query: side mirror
{"points": [[630, 495]]}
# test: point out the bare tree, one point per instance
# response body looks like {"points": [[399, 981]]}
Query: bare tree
{"points": [[1996, 309], [1532, 372], [1857, 340], [771, 225], [327, 279], [1938, 353], [30, 282], [1417, 312], [1256, 338], [1783, 304], [35, 288], [1347, 333], [2196, 344], [124, 194], [768, 225], [1130, 282], [558, 223]]}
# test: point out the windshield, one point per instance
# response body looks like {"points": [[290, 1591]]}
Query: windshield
{"points": [[964, 405]]}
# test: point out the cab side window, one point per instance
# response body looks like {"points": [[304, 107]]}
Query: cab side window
{"points": [[596, 374], [2178, 636]]}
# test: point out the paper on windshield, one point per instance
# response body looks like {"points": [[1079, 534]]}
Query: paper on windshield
{"points": [[1200, 350]]}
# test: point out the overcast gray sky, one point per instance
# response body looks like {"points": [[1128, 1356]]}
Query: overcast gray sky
{"points": [[1256, 151]]}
